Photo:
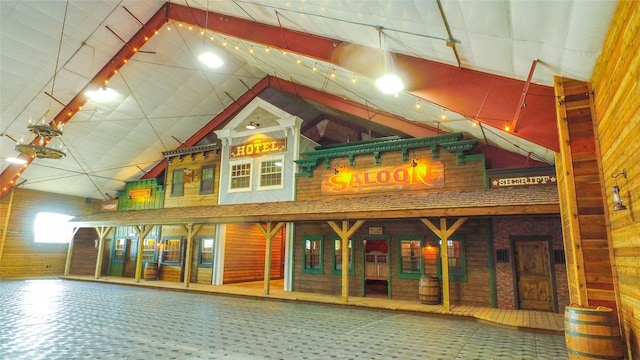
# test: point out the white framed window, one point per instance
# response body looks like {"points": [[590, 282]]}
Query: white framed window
{"points": [[271, 173], [52, 228], [240, 176]]}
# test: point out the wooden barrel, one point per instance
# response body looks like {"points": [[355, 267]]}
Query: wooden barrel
{"points": [[151, 271], [429, 290], [592, 333]]}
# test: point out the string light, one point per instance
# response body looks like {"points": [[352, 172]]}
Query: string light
{"points": [[418, 104], [353, 78], [315, 66], [444, 116], [299, 60]]}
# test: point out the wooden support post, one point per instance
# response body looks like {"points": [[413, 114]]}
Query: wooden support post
{"points": [[443, 233], [142, 232], [67, 264], [6, 224], [191, 233], [345, 233], [102, 231], [269, 232], [568, 203]]}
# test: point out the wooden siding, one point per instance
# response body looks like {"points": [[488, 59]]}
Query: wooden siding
{"points": [[474, 291], [617, 104], [169, 273], [20, 256], [204, 275], [591, 275], [244, 254], [467, 176], [191, 195], [85, 252]]}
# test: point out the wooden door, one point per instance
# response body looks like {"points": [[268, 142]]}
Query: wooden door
{"points": [[533, 275], [131, 249], [375, 265]]}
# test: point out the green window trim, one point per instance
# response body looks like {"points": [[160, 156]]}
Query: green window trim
{"points": [[458, 274], [336, 259], [410, 260], [312, 254]]}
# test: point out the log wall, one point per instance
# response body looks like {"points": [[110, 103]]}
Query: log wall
{"points": [[20, 256], [617, 103]]}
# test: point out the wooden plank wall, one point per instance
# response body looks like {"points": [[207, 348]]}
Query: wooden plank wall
{"points": [[21, 256], [475, 291], [457, 177], [591, 283], [617, 103], [191, 195], [85, 252], [244, 254]]}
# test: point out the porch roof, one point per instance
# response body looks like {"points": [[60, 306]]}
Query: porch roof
{"points": [[540, 200]]}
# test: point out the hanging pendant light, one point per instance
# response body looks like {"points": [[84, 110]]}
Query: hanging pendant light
{"points": [[389, 82], [46, 134]]}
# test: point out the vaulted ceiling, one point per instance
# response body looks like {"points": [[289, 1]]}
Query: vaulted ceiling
{"points": [[475, 67]]}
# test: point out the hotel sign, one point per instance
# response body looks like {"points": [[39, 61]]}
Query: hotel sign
{"points": [[524, 181], [405, 177], [258, 147]]}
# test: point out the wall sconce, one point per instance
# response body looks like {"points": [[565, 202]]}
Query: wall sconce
{"points": [[617, 200], [252, 126], [414, 161], [336, 168]]}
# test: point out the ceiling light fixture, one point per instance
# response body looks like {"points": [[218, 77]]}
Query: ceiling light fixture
{"points": [[388, 83], [252, 126], [207, 57], [211, 60], [102, 94], [15, 160], [46, 132]]}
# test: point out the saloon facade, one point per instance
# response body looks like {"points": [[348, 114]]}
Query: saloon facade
{"points": [[267, 203]]}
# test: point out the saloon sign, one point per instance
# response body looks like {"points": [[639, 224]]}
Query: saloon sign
{"points": [[258, 147], [405, 177]]}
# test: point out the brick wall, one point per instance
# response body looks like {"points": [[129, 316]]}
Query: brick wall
{"points": [[506, 227]]}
